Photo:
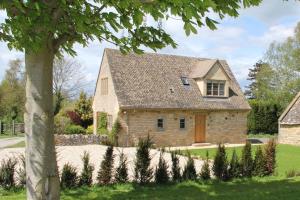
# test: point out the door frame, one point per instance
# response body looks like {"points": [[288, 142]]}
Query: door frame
{"points": [[202, 135]]}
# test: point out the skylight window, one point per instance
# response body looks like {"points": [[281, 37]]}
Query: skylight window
{"points": [[185, 81]]}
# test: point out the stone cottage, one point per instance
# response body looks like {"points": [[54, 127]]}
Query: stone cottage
{"points": [[289, 123], [177, 100]]}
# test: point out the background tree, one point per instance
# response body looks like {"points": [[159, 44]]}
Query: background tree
{"points": [[68, 80], [44, 29], [83, 107]]}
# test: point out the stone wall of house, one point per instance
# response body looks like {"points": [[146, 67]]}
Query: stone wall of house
{"points": [[226, 127], [289, 134], [221, 126], [78, 139]]}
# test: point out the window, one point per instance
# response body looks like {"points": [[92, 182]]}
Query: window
{"points": [[182, 123], [215, 88], [160, 123], [104, 86], [185, 81]]}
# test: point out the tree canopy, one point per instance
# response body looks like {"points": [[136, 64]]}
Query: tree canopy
{"points": [[61, 23]]}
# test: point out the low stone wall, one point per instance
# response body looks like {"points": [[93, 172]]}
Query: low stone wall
{"points": [[79, 139], [289, 134]]}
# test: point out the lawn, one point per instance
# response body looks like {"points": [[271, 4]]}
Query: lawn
{"points": [[9, 135], [262, 135], [288, 156], [271, 188], [18, 145]]}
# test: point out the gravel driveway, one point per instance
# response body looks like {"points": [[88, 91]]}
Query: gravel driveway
{"points": [[73, 154]]}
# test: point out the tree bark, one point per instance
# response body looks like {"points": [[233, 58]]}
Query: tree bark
{"points": [[42, 180]]}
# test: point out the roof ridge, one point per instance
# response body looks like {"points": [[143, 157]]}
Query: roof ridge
{"points": [[165, 54]]}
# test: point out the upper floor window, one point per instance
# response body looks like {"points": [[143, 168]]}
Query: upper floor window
{"points": [[160, 123], [104, 86], [215, 88], [182, 123], [185, 81]]}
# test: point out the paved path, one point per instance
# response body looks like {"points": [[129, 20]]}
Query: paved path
{"points": [[10, 141]]}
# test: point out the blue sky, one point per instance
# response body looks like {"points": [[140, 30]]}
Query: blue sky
{"points": [[241, 41]]}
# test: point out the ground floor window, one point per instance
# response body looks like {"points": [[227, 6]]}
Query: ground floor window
{"points": [[182, 123], [160, 123]]}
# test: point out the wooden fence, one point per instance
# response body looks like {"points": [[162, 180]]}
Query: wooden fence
{"points": [[12, 128]]}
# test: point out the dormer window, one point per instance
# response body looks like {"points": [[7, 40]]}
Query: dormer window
{"points": [[185, 81], [215, 88]]}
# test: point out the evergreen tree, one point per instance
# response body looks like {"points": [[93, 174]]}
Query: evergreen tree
{"points": [[220, 166], [122, 170], [161, 172], [83, 107], [247, 161], [69, 178], [270, 157], [176, 174], [86, 177], [143, 171], [234, 166], [259, 163], [189, 171], [205, 170], [105, 173]]}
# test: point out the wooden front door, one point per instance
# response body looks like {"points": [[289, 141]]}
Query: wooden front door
{"points": [[200, 124]]}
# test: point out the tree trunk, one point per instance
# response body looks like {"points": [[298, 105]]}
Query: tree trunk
{"points": [[42, 180]]}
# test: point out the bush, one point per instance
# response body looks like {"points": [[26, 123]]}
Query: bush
{"points": [[86, 177], [270, 157], [247, 161], [292, 173], [74, 117], [189, 171], [69, 177], [22, 172], [74, 129], [259, 163], [220, 166], [113, 135], [106, 168], [7, 171], [176, 175], [142, 170], [61, 123], [122, 170], [83, 107], [90, 129], [161, 171], [263, 118], [205, 171], [234, 166]]}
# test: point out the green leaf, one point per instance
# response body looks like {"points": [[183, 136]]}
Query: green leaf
{"points": [[211, 23], [138, 17]]}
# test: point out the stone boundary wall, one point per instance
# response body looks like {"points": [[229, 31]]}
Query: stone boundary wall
{"points": [[79, 139]]}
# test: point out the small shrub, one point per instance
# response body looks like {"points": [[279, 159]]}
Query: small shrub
{"points": [[220, 166], [69, 177], [234, 166], [176, 175], [74, 117], [247, 161], [259, 163], [189, 171], [161, 172], [61, 123], [143, 171], [270, 157], [86, 177], [105, 173], [113, 135], [22, 172], [90, 129], [122, 170], [292, 173], [205, 171], [74, 129], [7, 171]]}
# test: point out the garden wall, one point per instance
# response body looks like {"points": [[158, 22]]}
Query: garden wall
{"points": [[79, 139]]}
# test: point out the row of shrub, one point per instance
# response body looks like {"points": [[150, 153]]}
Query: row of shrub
{"points": [[263, 164]]}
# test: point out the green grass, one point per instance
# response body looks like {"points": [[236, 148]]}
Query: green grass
{"points": [[270, 188], [262, 135], [18, 145], [9, 135], [288, 156]]}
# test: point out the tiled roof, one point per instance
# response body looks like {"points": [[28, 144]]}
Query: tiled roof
{"points": [[153, 81], [292, 113]]}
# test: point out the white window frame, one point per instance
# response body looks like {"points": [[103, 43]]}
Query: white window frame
{"points": [[213, 83]]}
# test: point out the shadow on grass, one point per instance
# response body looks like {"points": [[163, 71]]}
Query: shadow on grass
{"points": [[266, 189]]}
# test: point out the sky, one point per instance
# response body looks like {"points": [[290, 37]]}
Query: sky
{"points": [[241, 41]]}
